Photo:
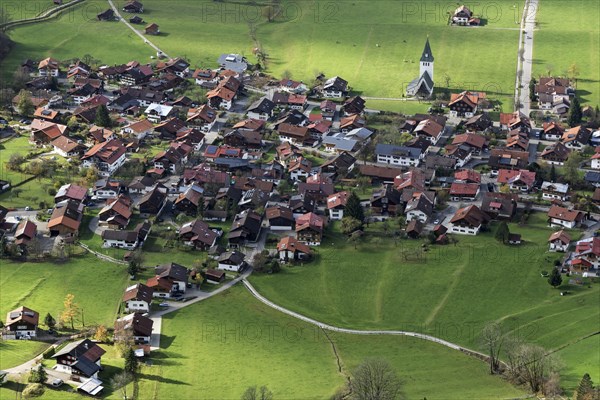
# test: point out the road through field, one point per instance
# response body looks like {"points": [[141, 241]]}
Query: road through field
{"points": [[525, 56]]}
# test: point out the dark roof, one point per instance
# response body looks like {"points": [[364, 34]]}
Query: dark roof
{"points": [[427, 55], [390, 149], [138, 292], [262, 105], [128, 236], [173, 271]]}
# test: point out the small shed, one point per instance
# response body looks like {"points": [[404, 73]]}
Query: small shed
{"points": [[514, 238]]}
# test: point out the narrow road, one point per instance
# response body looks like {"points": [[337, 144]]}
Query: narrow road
{"points": [[525, 63], [144, 38]]}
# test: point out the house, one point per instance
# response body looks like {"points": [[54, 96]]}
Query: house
{"points": [[120, 239], [190, 200], [419, 207], [46, 114], [81, 358], [463, 16], [291, 249], [108, 15], [592, 178], [191, 137], [82, 94], [134, 325], [413, 179], [176, 67], [499, 205], [516, 120], [157, 113], [174, 158], [292, 133], [354, 105], [170, 279], [553, 89], [318, 186], [464, 104], [467, 176], [153, 202], [514, 238], [133, 6], [468, 221], [231, 261], [507, 159], [26, 231], [70, 192], [335, 87], [44, 132], [107, 156], [67, 147], [98, 134], [559, 241], [586, 256], [224, 94], [556, 153], [430, 130], [116, 213], [135, 76], [202, 118], [423, 85], [309, 229], [464, 191], [138, 298], [518, 180], [66, 218], [379, 174], [21, 323], [517, 142], [398, 155], [206, 78], [441, 163], [136, 20], [290, 100], [339, 143], [552, 131], [280, 218], [564, 217], [214, 276], [49, 67], [555, 191], [336, 203], [576, 138], [475, 142], [261, 109], [595, 160], [245, 228], [479, 123], [198, 235], [233, 62], [139, 129], [152, 29], [302, 203], [242, 138]]}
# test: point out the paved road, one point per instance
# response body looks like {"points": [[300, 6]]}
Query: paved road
{"points": [[526, 44], [144, 38]]}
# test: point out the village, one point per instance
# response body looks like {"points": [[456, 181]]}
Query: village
{"points": [[250, 172]]}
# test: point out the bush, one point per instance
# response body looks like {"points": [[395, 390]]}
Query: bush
{"points": [[33, 390], [52, 192], [49, 353]]}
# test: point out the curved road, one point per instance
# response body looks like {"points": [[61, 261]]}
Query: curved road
{"points": [[118, 14]]}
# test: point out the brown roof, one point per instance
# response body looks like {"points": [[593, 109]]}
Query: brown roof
{"points": [[472, 139], [560, 235], [464, 189], [65, 144], [337, 199], [26, 228], [472, 215], [141, 326], [290, 243], [564, 214], [279, 212], [141, 126], [300, 132], [138, 292], [23, 314]]}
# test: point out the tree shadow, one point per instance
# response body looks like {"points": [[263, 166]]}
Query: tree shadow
{"points": [[166, 341], [162, 379]]}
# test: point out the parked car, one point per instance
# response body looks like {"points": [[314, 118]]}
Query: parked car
{"points": [[165, 304], [176, 295], [57, 382]]}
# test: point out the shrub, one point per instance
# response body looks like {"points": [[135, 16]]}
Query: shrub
{"points": [[49, 353], [33, 390]]}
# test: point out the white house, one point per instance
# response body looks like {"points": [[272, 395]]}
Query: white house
{"points": [[158, 112], [139, 130], [468, 221], [559, 241], [596, 161], [139, 326], [117, 239], [560, 216], [555, 191], [398, 155], [231, 261], [21, 323], [137, 298], [336, 203]]}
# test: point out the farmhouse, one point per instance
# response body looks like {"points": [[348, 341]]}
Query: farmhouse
{"points": [[576, 138], [245, 228], [556, 154], [67, 147], [336, 203], [479, 122], [398, 155], [386, 201], [499, 205], [289, 248], [430, 130], [419, 207], [116, 213], [280, 218], [66, 218], [70, 192], [49, 67], [261, 109], [198, 235], [21, 323], [127, 240], [335, 87], [153, 202], [81, 358], [519, 180], [107, 157], [135, 325], [552, 131], [26, 231], [468, 221], [43, 132], [463, 16], [564, 217], [464, 191], [559, 241], [465, 104], [137, 298], [309, 229], [354, 105]]}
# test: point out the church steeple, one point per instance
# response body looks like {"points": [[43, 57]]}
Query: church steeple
{"points": [[427, 55]]}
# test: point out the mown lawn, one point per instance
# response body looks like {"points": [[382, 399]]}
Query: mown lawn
{"points": [[16, 352], [451, 292], [97, 286], [582, 357], [260, 346], [576, 24]]}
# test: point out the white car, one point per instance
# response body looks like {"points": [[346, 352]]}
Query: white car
{"points": [[57, 382], [165, 304]]}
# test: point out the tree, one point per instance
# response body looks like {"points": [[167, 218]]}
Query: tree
{"points": [[349, 225], [385, 227], [552, 385], [252, 393], [25, 105], [14, 161], [120, 382], [532, 84], [585, 388], [447, 79], [375, 379], [572, 167], [284, 187], [91, 175], [6, 96], [132, 268], [354, 238], [404, 138], [555, 279], [575, 114], [124, 341], [354, 209], [49, 321], [259, 261], [492, 338], [101, 334], [530, 364], [502, 232], [131, 362], [573, 71], [553, 173], [70, 311], [102, 117], [38, 375]]}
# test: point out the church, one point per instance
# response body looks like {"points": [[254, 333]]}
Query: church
{"points": [[423, 85]]}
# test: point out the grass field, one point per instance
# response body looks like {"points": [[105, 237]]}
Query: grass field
{"points": [[435, 295], [97, 286], [576, 24], [234, 335], [16, 352]]}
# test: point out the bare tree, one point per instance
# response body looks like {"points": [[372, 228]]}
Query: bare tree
{"points": [[492, 338], [530, 364], [252, 393], [375, 379], [120, 382]]}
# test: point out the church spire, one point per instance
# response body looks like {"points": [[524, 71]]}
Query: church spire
{"points": [[427, 55]]}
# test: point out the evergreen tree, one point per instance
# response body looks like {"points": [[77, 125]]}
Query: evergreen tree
{"points": [[575, 114], [38, 375], [354, 209], [553, 174], [102, 117], [532, 84], [131, 362], [555, 278], [49, 321], [502, 232], [585, 388], [132, 268]]}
